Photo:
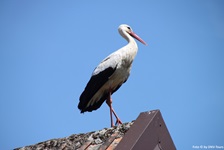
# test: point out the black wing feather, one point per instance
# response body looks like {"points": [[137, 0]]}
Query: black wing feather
{"points": [[94, 84]]}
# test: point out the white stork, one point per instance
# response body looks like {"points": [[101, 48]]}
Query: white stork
{"points": [[110, 74]]}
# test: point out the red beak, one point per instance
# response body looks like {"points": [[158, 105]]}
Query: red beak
{"points": [[137, 37]]}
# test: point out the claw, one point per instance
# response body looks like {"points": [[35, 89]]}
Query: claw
{"points": [[118, 121]]}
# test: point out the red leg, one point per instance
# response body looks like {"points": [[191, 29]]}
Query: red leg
{"points": [[109, 103], [118, 121]]}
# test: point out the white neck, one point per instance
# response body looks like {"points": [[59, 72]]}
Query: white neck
{"points": [[130, 50], [128, 37]]}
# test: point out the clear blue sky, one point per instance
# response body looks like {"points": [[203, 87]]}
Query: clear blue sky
{"points": [[48, 50]]}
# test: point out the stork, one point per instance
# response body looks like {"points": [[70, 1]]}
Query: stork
{"points": [[110, 74]]}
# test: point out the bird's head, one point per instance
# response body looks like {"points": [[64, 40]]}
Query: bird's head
{"points": [[124, 28]]}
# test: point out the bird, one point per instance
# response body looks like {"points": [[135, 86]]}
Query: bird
{"points": [[110, 74]]}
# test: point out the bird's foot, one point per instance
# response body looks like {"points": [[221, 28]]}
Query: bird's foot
{"points": [[118, 122]]}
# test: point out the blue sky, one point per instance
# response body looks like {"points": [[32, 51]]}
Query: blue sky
{"points": [[48, 50]]}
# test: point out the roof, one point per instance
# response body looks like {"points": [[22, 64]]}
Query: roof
{"points": [[107, 137], [148, 131]]}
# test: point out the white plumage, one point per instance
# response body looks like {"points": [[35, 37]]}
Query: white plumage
{"points": [[110, 74]]}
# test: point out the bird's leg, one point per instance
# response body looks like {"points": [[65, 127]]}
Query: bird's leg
{"points": [[118, 121], [109, 103]]}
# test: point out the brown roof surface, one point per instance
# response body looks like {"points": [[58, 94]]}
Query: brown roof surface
{"points": [[107, 138], [147, 132]]}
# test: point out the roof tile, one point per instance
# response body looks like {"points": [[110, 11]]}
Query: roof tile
{"points": [[97, 140]]}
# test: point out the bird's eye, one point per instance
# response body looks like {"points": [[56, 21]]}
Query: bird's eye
{"points": [[129, 28]]}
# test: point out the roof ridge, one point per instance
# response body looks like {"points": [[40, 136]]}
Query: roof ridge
{"points": [[96, 139]]}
